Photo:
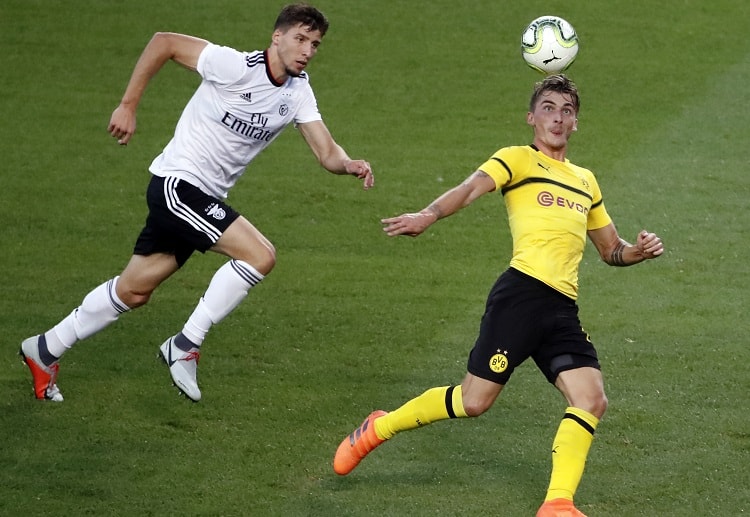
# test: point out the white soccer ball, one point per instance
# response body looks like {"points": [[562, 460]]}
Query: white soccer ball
{"points": [[549, 45]]}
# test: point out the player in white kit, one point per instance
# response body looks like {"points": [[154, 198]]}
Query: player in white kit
{"points": [[244, 101]]}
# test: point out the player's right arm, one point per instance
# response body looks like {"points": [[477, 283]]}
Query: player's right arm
{"points": [[453, 200], [162, 47]]}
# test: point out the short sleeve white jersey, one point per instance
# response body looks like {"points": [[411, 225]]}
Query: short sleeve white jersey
{"points": [[235, 113]]}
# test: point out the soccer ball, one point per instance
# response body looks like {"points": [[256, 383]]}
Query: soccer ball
{"points": [[549, 44]]}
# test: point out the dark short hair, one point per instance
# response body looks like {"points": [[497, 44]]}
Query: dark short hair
{"points": [[556, 83], [307, 15]]}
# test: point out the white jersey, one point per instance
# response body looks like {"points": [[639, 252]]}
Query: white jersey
{"points": [[237, 110]]}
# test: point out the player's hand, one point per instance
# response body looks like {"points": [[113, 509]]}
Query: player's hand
{"points": [[408, 224], [649, 245], [362, 170], [122, 124]]}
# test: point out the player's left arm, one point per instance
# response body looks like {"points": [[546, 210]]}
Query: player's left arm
{"points": [[615, 251], [331, 155]]}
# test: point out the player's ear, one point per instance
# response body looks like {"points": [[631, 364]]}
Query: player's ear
{"points": [[530, 118], [575, 125]]}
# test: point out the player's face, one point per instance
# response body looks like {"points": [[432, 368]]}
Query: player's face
{"points": [[554, 120], [295, 48]]}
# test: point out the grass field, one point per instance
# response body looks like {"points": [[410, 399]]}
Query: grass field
{"points": [[350, 320]]}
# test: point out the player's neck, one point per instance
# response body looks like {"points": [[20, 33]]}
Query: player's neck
{"points": [[556, 153], [275, 66]]}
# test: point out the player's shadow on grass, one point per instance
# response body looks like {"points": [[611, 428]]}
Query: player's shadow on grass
{"points": [[409, 468]]}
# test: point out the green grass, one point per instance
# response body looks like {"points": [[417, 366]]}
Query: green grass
{"points": [[349, 320]]}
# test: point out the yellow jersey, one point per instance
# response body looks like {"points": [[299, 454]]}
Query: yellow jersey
{"points": [[551, 204]]}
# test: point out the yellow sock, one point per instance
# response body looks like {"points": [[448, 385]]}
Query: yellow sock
{"points": [[432, 405], [569, 451]]}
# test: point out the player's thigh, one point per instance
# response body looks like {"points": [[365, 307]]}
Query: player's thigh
{"points": [[243, 241]]}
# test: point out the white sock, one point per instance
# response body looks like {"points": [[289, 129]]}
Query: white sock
{"points": [[227, 289], [99, 308]]}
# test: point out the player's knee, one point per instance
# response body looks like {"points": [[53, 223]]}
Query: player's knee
{"points": [[131, 294], [261, 258], [476, 406], [134, 299], [264, 259], [600, 406], [595, 403]]}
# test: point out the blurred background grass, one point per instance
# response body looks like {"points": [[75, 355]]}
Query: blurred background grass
{"points": [[349, 320]]}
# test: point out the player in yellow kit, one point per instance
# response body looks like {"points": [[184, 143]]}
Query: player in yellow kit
{"points": [[531, 310]]}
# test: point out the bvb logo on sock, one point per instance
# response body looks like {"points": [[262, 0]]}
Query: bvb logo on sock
{"points": [[498, 362]]}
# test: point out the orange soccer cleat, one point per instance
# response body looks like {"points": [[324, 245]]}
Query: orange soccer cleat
{"points": [[357, 445]]}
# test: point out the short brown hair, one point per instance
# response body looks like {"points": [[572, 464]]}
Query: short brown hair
{"points": [[305, 14], [556, 83]]}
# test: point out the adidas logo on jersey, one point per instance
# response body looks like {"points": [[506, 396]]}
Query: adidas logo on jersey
{"points": [[247, 96]]}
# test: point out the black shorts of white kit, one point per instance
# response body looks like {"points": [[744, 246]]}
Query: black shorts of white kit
{"points": [[524, 318], [181, 219]]}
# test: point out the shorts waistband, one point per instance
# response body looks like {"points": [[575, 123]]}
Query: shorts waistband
{"points": [[526, 277]]}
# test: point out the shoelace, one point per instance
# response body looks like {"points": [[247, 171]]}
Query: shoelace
{"points": [[192, 356]]}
